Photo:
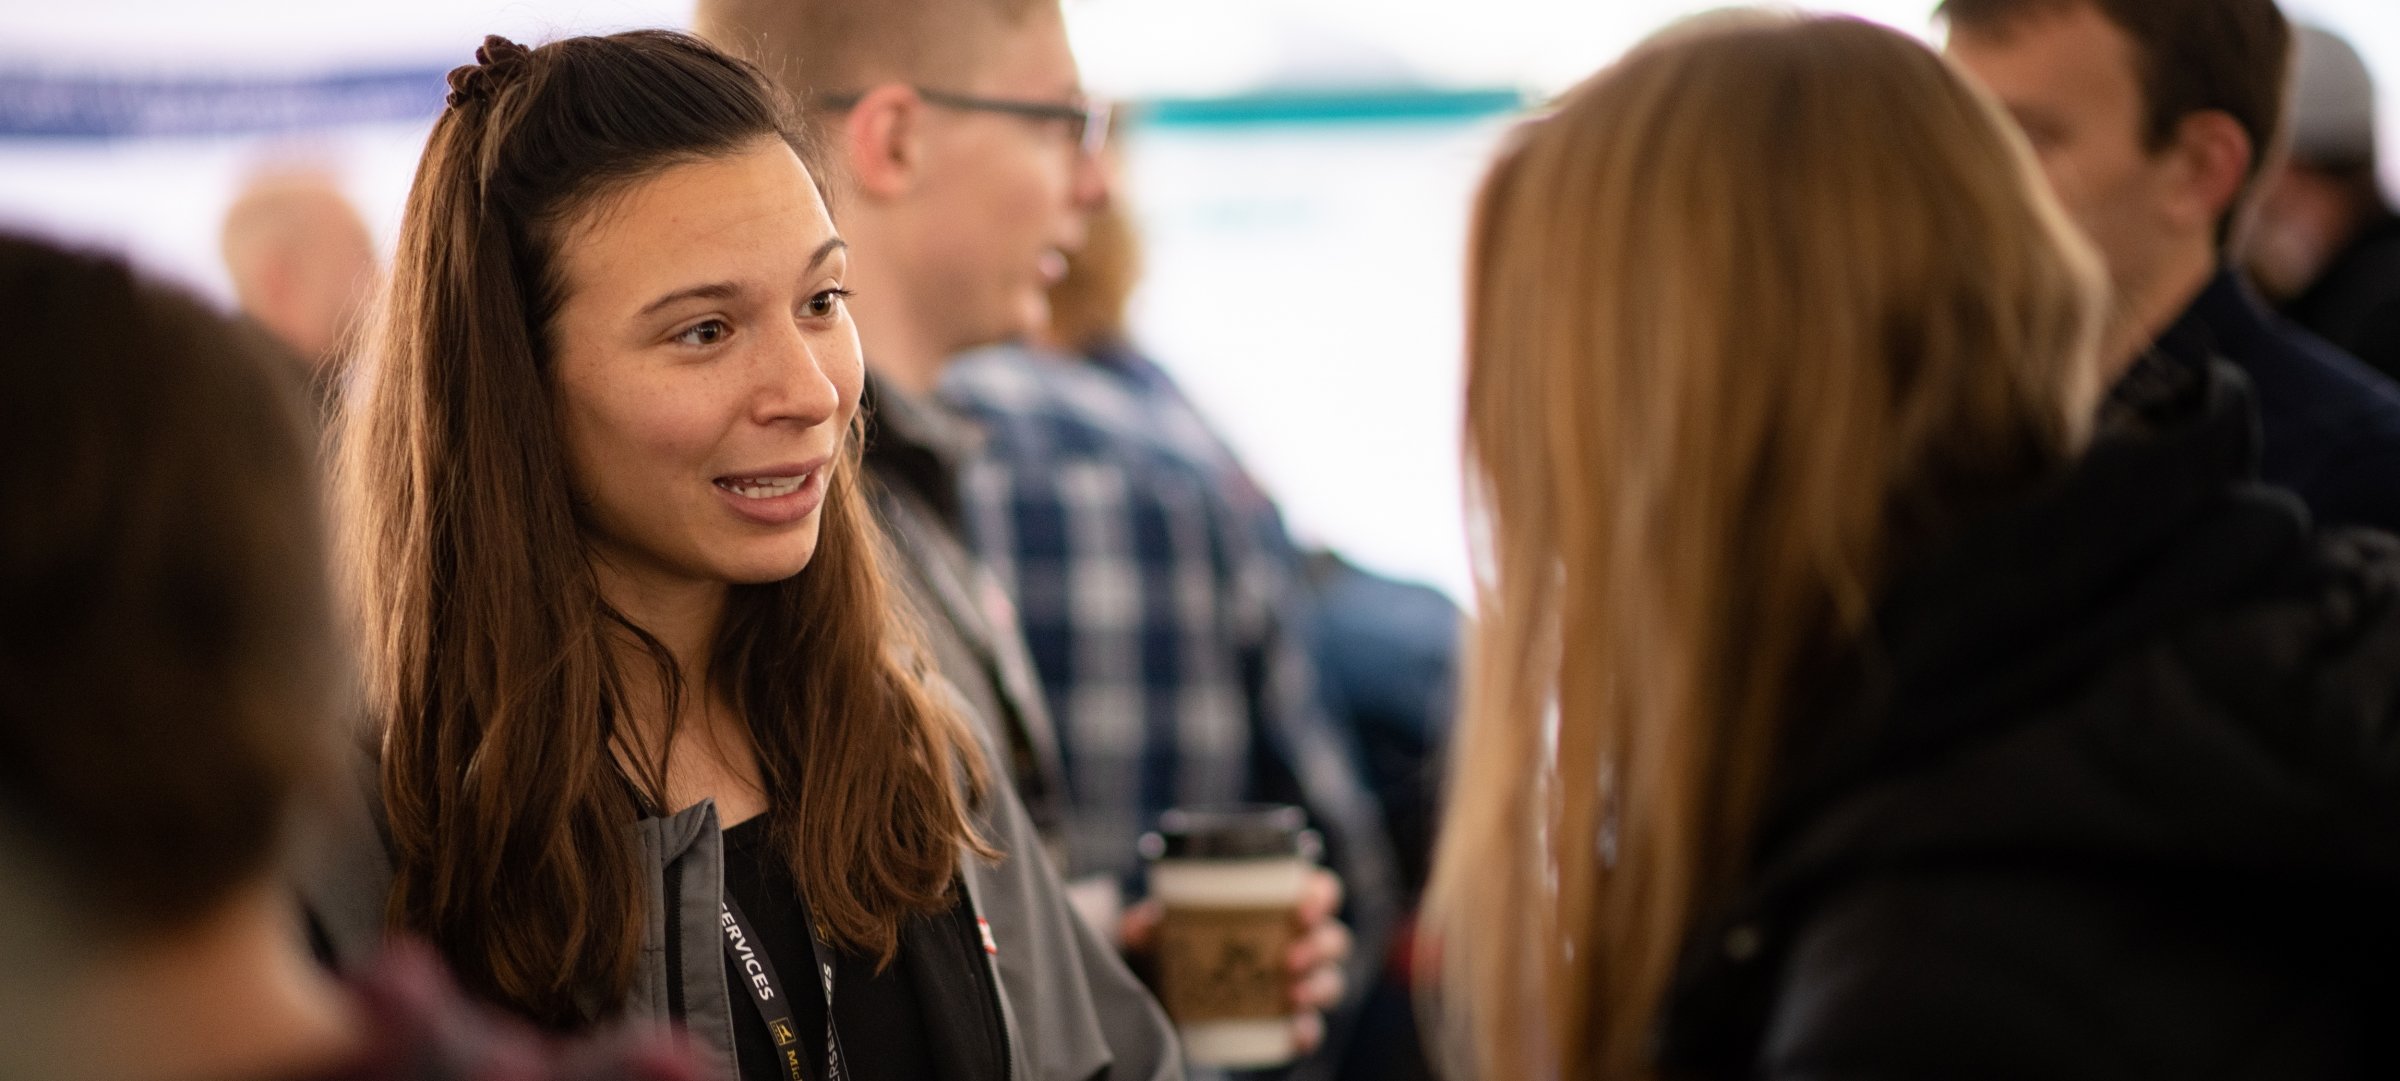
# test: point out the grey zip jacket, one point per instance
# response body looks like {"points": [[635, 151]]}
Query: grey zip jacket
{"points": [[1069, 1008]]}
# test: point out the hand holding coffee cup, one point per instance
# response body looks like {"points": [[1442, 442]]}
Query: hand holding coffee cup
{"points": [[1241, 920]]}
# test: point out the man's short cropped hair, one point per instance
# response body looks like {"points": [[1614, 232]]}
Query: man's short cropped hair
{"points": [[2233, 56], [820, 47]]}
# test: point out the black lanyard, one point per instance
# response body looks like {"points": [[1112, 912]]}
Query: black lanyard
{"points": [[749, 957]]}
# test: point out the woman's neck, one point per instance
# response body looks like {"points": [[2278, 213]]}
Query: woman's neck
{"points": [[683, 614], [705, 745], [235, 997]]}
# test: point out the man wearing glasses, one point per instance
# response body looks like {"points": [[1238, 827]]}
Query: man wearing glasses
{"points": [[957, 141], [963, 149], [963, 162]]}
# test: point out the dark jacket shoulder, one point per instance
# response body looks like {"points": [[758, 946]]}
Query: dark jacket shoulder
{"points": [[2355, 302], [2331, 425], [2123, 801]]}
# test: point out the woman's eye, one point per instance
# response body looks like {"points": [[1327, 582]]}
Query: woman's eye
{"points": [[824, 304], [707, 333]]}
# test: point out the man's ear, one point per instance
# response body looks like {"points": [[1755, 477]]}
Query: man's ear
{"points": [[880, 138], [2211, 158]]}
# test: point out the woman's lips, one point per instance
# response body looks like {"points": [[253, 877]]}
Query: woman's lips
{"points": [[779, 495]]}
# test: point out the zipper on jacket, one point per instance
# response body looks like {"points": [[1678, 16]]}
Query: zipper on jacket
{"points": [[991, 976], [674, 933]]}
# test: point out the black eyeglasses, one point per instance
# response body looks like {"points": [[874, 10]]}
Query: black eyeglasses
{"points": [[1086, 120]]}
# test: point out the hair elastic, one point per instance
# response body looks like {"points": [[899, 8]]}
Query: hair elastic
{"points": [[498, 62]]}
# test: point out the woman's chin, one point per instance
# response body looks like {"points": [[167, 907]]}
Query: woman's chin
{"points": [[766, 568]]}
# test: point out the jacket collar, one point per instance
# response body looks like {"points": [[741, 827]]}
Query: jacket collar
{"points": [[2223, 316], [917, 446], [674, 834]]}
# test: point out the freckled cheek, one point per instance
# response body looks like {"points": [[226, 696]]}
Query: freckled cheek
{"points": [[656, 439]]}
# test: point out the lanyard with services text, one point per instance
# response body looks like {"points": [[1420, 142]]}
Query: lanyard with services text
{"points": [[749, 957]]}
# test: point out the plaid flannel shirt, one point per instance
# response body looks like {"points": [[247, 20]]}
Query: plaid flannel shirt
{"points": [[1162, 602]]}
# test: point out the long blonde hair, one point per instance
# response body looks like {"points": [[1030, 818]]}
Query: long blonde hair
{"points": [[1751, 312]]}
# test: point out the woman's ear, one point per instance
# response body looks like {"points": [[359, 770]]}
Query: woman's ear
{"points": [[880, 138]]}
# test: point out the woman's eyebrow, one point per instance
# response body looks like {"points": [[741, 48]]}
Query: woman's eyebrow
{"points": [[710, 291], [729, 290]]}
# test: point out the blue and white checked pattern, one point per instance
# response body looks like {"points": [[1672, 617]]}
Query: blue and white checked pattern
{"points": [[1147, 593]]}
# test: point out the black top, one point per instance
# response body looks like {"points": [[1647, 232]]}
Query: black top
{"points": [[880, 1021], [2116, 794]]}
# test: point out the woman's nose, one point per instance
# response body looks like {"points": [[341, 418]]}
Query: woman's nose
{"points": [[794, 383]]}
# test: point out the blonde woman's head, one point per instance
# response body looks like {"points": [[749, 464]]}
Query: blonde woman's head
{"points": [[1751, 312]]}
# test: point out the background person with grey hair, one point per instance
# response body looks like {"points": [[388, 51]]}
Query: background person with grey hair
{"points": [[2326, 247]]}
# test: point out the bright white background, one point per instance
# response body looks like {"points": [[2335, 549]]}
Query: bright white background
{"points": [[1304, 280]]}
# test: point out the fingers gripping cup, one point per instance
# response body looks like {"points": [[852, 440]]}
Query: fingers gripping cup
{"points": [[1230, 880]]}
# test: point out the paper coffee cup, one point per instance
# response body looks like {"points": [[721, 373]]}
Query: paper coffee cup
{"points": [[1230, 880]]}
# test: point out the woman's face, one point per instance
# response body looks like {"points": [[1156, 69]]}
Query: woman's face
{"points": [[706, 369]]}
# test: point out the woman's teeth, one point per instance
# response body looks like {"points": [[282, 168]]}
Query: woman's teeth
{"points": [[762, 487]]}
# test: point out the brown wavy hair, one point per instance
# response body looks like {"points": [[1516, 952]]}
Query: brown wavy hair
{"points": [[487, 656], [1752, 313]]}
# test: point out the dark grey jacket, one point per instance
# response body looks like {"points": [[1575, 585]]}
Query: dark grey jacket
{"points": [[1069, 1008]]}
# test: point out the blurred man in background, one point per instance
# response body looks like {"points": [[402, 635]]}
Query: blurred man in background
{"points": [[964, 161], [1169, 613], [959, 212], [303, 265], [2326, 247], [2154, 120]]}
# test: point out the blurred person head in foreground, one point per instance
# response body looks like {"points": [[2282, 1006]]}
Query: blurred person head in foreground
{"points": [[2326, 247], [2155, 122], [170, 698], [1837, 698], [302, 262], [167, 687]]}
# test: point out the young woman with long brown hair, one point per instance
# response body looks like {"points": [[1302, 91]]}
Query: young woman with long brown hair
{"points": [[652, 741], [1841, 705]]}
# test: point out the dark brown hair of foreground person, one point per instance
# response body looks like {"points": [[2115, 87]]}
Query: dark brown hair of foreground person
{"points": [[1724, 362], [2233, 56], [164, 675], [510, 783]]}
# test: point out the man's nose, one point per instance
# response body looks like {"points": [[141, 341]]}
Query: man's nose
{"points": [[1094, 183]]}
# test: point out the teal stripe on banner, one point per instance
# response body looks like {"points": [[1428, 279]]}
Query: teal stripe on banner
{"points": [[43, 104], [1331, 107]]}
